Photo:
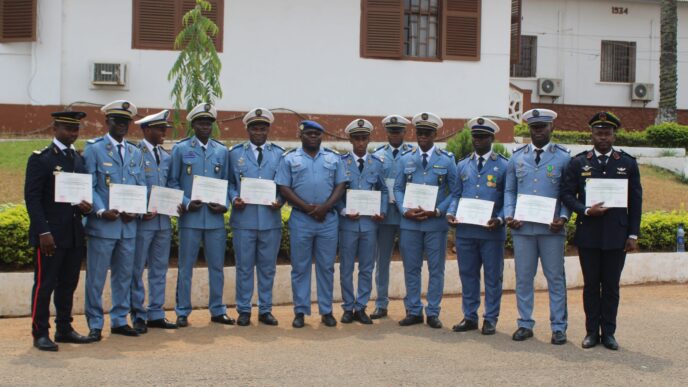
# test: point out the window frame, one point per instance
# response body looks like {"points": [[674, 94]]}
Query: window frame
{"points": [[533, 57], [631, 63], [34, 23]]}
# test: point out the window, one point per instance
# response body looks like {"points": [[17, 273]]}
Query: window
{"points": [[156, 23], [516, 6], [527, 66], [17, 21], [618, 61], [421, 29]]}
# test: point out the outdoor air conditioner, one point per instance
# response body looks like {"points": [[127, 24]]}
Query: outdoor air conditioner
{"points": [[108, 74], [642, 91], [549, 87]]}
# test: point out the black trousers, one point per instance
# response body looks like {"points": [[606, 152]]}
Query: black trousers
{"points": [[601, 275], [58, 273]]}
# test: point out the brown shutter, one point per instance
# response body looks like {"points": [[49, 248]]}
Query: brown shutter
{"points": [[154, 24], [516, 6], [461, 29], [216, 14], [382, 25], [17, 21]]}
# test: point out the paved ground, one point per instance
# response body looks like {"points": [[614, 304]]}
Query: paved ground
{"points": [[654, 351]]}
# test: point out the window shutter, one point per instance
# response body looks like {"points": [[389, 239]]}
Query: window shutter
{"points": [[154, 24], [382, 25], [17, 20], [461, 29], [216, 14], [516, 6]]}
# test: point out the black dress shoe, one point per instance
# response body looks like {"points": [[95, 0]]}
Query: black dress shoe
{"points": [[609, 342], [522, 334], [411, 319], [465, 326], [268, 319], [244, 319], [124, 330], [223, 319], [434, 322], [362, 317], [182, 321], [298, 321], [140, 326], [162, 323], [328, 320], [44, 343], [71, 337], [378, 313], [95, 335], [590, 340], [558, 338], [488, 328], [347, 317]]}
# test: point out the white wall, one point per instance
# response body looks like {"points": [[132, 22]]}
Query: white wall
{"points": [[569, 34], [298, 54]]}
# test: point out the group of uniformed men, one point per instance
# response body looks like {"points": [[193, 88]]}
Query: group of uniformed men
{"points": [[314, 181]]}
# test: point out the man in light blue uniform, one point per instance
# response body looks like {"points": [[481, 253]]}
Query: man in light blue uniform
{"points": [[358, 233], [154, 232], [388, 229], [257, 229], [480, 176], [111, 234], [536, 169], [424, 230], [312, 180], [200, 155]]}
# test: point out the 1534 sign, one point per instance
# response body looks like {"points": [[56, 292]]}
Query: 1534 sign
{"points": [[619, 11]]}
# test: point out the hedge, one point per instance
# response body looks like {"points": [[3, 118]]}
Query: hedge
{"points": [[657, 233], [667, 135]]}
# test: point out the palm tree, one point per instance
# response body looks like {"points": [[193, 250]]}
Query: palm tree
{"points": [[667, 63]]}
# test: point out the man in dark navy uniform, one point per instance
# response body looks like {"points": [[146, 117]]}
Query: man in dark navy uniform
{"points": [[56, 232], [603, 235]]}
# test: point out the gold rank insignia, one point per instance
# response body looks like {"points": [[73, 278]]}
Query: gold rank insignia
{"points": [[491, 181], [107, 180], [586, 173], [188, 169]]}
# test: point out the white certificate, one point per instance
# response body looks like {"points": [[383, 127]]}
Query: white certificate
{"points": [[536, 209], [73, 187], [128, 198], [363, 202], [474, 211], [165, 200], [420, 195], [258, 191], [390, 188], [613, 192], [209, 190]]}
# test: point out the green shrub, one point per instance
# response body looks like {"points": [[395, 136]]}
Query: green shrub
{"points": [[668, 135], [14, 236], [461, 145], [521, 130], [623, 138], [501, 149]]}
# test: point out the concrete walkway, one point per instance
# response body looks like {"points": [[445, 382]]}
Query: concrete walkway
{"points": [[654, 351]]}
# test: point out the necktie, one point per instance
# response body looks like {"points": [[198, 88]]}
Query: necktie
{"points": [[68, 153], [360, 165], [157, 155], [425, 160], [119, 152], [602, 159], [260, 155], [480, 163], [538, 152], [395, 153]]}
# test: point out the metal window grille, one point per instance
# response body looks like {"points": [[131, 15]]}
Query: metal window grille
{"points": [[618, 61], [527, 67], [421, 28]]}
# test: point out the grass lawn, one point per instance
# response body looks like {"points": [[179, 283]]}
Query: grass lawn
{"points": [[663, 190]]}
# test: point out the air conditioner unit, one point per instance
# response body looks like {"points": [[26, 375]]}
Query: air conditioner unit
{"points": [[108, 74], [549, 87], [642, 91]]}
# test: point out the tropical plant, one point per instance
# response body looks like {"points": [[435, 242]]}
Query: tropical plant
{"points": [[668, 76]]}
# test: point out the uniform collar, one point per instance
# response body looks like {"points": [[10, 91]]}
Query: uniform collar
{"points": [[113, 141], [148, 145], [254, 147], [61, 146], [608, 154], [429, 152], [485, 157], [355, 156], [544, 148]]}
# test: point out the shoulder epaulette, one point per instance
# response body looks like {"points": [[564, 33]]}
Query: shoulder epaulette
{"points": [[95, 140], [625, 154], [39, 151], [236, 146], [520, 148], [561, 147], [289, 151], [446, 152], [408, 151], [502, 156], [380, 147], [375, 157], [331, 150], [164, 150], [345, 155], [131, 142], [581, 154], [277, 146], [183, 139], [217, 141]]}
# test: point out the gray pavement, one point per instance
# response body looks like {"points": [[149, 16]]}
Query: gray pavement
{"points": [[654, 351]]}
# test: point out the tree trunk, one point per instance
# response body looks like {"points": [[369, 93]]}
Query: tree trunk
{"points": [[667, 63]]}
